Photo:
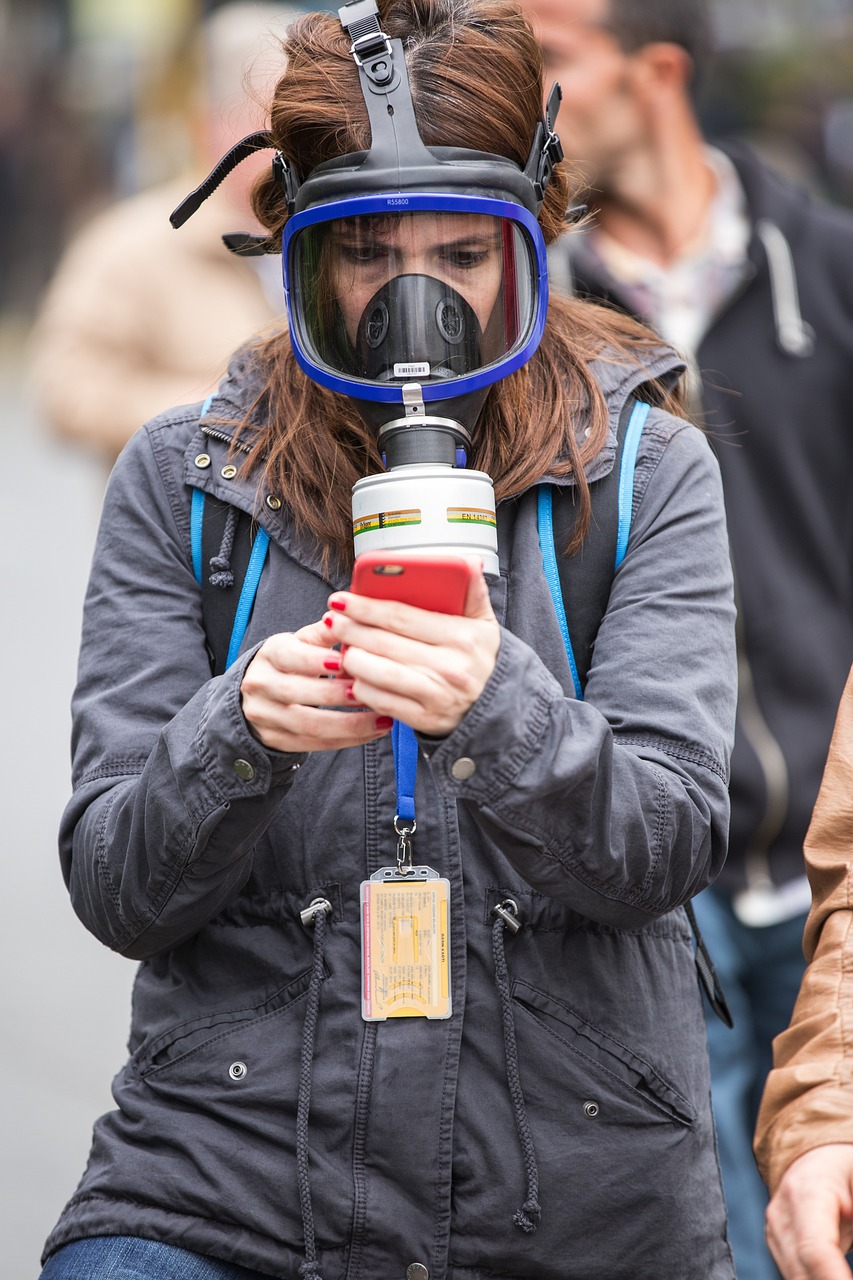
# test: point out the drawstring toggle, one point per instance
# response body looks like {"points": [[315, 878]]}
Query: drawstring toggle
{"points": [[314, 908], [508, 912]]}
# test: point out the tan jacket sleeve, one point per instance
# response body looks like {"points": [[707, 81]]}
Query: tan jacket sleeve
{"points": [[808, 1099]]}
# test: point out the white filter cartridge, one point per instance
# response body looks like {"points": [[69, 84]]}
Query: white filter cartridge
{"points": [[424, 508]]}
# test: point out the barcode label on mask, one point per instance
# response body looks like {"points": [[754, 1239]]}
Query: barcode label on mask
{"points": [[411, 370]]}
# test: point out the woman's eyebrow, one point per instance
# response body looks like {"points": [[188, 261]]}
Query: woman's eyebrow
{"points": [[487, 238]]}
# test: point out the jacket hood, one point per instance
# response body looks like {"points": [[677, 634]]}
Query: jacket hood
{"points": [[242, 388], [620, 381], [779, 211]]}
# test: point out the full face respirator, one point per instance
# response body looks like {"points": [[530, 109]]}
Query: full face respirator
{"points": [[415, 278]]}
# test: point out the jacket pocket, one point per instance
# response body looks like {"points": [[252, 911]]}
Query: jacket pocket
{"points": [[187, 1038], [613, 1062]]}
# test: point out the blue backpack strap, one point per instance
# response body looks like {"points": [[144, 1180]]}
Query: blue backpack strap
{"points": [[580, 584], [225, 622], [545, 519], [637, 421], [196, 526], [248, 592]]}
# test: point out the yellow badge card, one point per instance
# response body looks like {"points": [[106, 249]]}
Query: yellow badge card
{"points": [[405, 947]]}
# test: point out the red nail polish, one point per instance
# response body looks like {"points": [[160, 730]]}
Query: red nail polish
{"points": [[332, 664], [349, 693], [384, 722], [327, 622], [337, 604]]}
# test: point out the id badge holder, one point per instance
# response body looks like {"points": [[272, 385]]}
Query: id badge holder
{"points": [[405, 944]]}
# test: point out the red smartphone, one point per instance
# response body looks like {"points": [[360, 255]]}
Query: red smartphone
{"points": [[435, 582]]}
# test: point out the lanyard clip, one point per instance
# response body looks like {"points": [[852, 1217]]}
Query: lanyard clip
{"points": [[405, 828]]}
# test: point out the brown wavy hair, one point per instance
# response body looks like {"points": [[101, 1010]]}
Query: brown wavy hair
{"points": [[475, 72]]}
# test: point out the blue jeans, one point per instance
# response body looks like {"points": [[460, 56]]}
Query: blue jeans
{"points": [[129, 1258], [760, 970]]}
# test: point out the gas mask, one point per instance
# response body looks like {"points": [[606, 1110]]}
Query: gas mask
{"points": [[415, 278]]}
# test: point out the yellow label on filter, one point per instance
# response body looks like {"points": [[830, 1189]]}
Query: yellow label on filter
{"points": [[472, 515], [386, 520], [405, 949]]}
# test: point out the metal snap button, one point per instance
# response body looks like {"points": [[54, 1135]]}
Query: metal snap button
{"points": [[229, 472], [590, 1109], [462, 768], [238, 1071], [244, 770], [417, 1271], [202, 460], [273, 502]]}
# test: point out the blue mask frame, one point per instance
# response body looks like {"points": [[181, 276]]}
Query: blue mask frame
{"points": [[417, 202]]}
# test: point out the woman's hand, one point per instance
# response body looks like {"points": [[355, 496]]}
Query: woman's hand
{"points": [[810, 1218], [425, 669], [287, 696]]}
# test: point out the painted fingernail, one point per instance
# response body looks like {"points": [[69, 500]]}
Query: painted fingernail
{"points": [[349, 693], [332, 664], [327, 622], [384, 722], [337, 604]]}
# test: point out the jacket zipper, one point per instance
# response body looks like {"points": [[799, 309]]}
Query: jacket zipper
{"points": [[225, 439]]}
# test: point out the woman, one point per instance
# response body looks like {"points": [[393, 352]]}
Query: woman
{"points": [[552, 1119]]}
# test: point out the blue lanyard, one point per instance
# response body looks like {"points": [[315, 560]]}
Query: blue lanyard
{"points": [[405, 747]]}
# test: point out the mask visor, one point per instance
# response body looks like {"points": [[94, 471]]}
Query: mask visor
{"points": [[390, 294]]}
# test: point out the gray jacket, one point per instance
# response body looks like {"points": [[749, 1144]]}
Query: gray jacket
{"points": [[187, 845]]}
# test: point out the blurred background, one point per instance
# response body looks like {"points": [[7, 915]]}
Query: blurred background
{"points": [[100, 101]]}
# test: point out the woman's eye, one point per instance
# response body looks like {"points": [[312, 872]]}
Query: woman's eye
{"points": [[362, 253], [466, 259]]}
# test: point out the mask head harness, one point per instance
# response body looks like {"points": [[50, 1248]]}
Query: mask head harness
{"points": [[430, 283]]}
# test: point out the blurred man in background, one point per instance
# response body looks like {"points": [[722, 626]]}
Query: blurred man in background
{"points": [[753, 282], [137, 317]]}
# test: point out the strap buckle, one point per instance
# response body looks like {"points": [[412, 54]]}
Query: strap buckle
{"points": [[369, 46], [286, 179], [547, 150]]}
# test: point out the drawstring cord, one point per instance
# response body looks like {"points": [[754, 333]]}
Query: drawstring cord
{"points": [[527, 1217], [314, 915], [793, 334], [220, 565]]}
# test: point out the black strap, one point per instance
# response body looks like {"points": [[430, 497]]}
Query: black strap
{"points": [[707, 973], [219, 604], [260, 141]]}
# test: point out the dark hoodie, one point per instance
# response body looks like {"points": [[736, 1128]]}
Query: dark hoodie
{"points": [[777, 403]]}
